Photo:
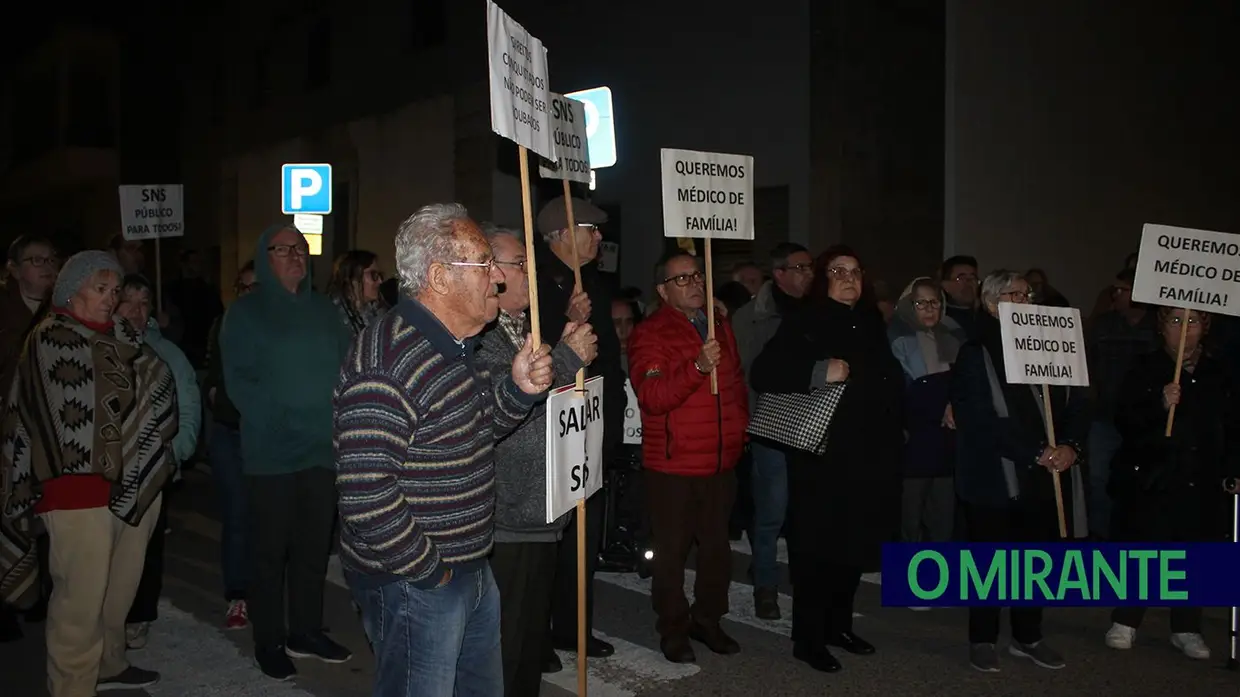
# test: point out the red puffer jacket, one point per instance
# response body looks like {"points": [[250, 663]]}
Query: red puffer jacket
{"points": [[686, 430]]}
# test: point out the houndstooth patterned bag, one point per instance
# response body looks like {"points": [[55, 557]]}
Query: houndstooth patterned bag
{"points": [[798, 420]]}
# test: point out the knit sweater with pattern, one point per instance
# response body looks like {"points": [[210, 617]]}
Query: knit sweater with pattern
{"points": [[416, 422]]}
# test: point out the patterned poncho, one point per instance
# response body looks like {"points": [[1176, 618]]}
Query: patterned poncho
{"points": [[81, 402]]}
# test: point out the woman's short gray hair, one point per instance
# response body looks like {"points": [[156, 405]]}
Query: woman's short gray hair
{"points": [[996, 284], [491, 231], [426, 237]]}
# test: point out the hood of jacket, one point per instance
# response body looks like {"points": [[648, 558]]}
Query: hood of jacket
{"points": [[269, 287]]}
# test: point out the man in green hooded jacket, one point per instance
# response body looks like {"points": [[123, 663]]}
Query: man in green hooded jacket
{"points": [[282, 346]]}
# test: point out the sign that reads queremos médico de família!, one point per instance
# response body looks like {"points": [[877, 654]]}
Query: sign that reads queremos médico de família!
{"points": [[519, 96], [574, 446], [1193, 269], [707, 194], [1043, 345], [150, 211], [568, 119]]}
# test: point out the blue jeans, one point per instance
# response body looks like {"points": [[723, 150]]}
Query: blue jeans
{"points": [[226, 466], [1104, 442], [770, 503], [440, 642]]}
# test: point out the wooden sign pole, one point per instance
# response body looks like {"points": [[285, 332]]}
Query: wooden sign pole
{"points": [[527, 208], [1050, 439], [1179, 366], [710, 312]]}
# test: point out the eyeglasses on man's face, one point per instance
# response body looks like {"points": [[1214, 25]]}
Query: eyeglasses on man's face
{"points": [[489, 264], [1020, 296], [39, 262], [288, 250], [797, 268], [519, 264], [927, 304], [684, 279]]}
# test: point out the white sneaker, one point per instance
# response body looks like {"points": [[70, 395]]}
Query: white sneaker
{"points": [[136, 633], [1120, 636], [1192, 645], [919, 608]]}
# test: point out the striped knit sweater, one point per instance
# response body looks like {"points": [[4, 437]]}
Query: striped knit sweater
{"points": [[415, 428]]}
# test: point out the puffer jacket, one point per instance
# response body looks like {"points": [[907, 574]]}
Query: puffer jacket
{"points": [[685, 429]]}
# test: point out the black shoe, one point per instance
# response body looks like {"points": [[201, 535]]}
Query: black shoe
{"points": [[595, 647], [852, 644], [677, 649], [818, 656], [766, 603], [715, 638], [317, 646], [274, 662], [551, 662], [132, 678]]}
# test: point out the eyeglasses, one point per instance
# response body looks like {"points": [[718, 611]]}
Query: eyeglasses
{"points": [[285, 250], [927, 304], [843, 272], [39, 262], [685, 279], [1018, 295], [519, 264], [489, 264], [1177, 320], [799, 268]]}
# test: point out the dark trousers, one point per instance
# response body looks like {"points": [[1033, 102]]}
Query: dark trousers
{"points": [[523, 573], [291, 518], [1012, 524], [684, 510], [145, 605], [564, 588]]}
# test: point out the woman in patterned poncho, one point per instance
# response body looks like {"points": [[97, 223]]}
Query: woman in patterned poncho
{"points": [[85, 448]]}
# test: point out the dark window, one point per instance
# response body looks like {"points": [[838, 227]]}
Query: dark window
{"points": [[429, 20], [90, 110], [319, 54], [35, 117], [259, 83]]}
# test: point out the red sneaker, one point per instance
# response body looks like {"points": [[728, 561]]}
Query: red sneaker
{"points": [[238, 616]]}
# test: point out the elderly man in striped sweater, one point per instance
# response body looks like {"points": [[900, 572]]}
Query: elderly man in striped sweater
{"points": [[416, 422]]}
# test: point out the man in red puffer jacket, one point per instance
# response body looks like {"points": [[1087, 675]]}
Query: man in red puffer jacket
{"points": [[691, 440]]}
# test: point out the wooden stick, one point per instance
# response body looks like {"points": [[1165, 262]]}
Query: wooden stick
{"points": [[1179, 366], [710, 313], [527, 207], [159, 284], [582, 682], [1050, 439]]}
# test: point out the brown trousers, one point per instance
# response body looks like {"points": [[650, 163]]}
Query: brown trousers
{"points": [[95, 561], [684, 510]]}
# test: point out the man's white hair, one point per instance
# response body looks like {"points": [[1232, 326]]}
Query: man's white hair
{"points": [[426, 237], [996, 284]]}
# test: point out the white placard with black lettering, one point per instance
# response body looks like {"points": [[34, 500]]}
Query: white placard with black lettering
{"points": [[519, 96], [568, 123], [1043, 345], [1182, 267], [707, 194], [632, 416], [151, 210], [608, 257], [574, 446]]}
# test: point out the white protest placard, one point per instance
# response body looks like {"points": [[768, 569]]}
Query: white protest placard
{"points": [[1043, 345], [519, 96], [572, 148], [707, 194], [574, 446], [150, 211], [608, 257], [1194, 269], [632, 416]]}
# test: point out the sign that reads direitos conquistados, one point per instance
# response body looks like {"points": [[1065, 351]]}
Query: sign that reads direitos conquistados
{"points": [[707, 194], [519, 96], [151, 211], [568, 118], [1194, 269], [574, 446], [1043, 345]]}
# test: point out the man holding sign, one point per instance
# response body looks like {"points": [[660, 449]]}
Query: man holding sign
{"points": [[415, 425], [1014, 441], [691, 441]]}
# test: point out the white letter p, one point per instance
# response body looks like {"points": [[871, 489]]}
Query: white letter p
{"points": [[306, 182]]}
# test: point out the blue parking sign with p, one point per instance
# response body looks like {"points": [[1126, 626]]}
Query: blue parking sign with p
{"points": [[306, 189]]}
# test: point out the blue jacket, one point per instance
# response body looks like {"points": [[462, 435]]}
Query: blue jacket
{"points": [[189, 401]]}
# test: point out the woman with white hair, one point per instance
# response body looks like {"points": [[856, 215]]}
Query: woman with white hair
{"points": [[85, 447], [1004, 466]]}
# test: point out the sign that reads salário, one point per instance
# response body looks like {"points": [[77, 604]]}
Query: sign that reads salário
{"points": [[1043, 345], [519, 96], [1193, 269], [574, 446], [707, 194], [568, 120], [149, 211]]}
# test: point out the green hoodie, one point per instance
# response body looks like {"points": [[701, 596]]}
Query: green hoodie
{"points": [[282, 353]]}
